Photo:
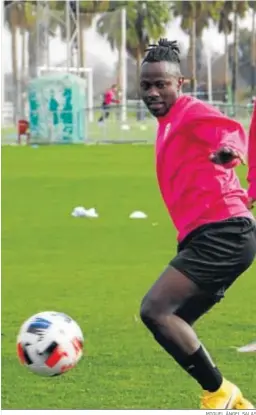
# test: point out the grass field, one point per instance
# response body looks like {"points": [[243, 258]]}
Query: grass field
{"points": [[97, 271], [111, 131]]}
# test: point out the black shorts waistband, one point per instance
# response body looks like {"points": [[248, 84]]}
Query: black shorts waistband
{"points": [[240, 220]]}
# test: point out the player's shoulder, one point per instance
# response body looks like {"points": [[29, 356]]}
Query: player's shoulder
{"points": [[190, 106], [197, 103], [202, 111]]}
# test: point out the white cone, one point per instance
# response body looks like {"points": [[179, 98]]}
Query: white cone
{"points": [[80, 211], [138, 215], [125, 127]]}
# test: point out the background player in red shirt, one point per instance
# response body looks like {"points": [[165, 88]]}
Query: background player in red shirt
{"points": [[109, 98]]}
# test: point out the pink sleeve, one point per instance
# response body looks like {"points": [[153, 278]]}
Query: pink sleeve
{"points": [[252, 157], [220, 136]]}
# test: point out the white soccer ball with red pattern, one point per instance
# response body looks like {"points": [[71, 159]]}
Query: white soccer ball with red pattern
{"points": [[50, 343]]}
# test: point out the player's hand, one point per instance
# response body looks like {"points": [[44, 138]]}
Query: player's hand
{"points": [[225, 155], [251, 203]]}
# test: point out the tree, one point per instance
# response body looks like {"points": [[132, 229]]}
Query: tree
{"points": [[245, 65], [252, 5], [195, 17], [40, 24], [30, 13], [14, 19], [226, 25], [87, 12], [22, 16], [146, 21], [108, 26], [26, 21], [239, 9]]}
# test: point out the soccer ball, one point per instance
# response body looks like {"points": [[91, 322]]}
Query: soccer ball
{"points": [[50, 343]]}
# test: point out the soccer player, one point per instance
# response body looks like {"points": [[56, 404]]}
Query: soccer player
{"points": [[252, 160], [197, 148], [109, 97]]}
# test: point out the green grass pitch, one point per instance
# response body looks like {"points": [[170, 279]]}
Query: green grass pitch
{"points": [[97, 271]]}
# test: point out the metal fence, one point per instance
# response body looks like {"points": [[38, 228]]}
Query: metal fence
{"points": [[139, 127]]}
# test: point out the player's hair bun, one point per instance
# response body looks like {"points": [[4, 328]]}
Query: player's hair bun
{"points": [[165, 43]]}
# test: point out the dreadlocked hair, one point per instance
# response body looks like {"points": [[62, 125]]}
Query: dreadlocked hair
{"points": [[166, 50]]}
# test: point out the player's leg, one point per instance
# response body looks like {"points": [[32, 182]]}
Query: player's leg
{"points": [[195, 308], [107, 113], [225, 249], [101, 119], [158, 312], [177, 337], [198, 306]]}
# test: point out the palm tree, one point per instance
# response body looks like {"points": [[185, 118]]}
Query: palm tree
{"points": [[14, 20], [87, 12], [146, 21], [225, 27], [108, 26], [239, 9], [252, 5], [38, 33], [22, 16], [195, 17]]}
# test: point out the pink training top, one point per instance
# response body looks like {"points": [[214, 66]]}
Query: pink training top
{"points": [[109, 97], [195, 190], [252, 157]]}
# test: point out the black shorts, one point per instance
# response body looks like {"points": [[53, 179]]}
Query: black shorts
{"points": [[105, 107], [215, 254]]}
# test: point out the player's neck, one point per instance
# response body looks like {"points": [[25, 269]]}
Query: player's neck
{"points": [[166, 116]]}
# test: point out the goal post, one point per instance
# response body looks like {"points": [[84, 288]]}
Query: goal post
{"points": [[58, 102], [77, 71]]}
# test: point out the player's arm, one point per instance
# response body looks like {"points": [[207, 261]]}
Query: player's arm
{"points": [[228, 145], [252, 161], [115, 101]]}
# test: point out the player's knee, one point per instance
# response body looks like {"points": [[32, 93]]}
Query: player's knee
{"points": [[149, 311]]}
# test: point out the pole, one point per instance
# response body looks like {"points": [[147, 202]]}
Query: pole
{"points": [[235, 58], [193, 52], [124, 64], [38, 28], [68, 28], [77, 17], [253, 54], [46, 34], [90, 95], [209, 74]]}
